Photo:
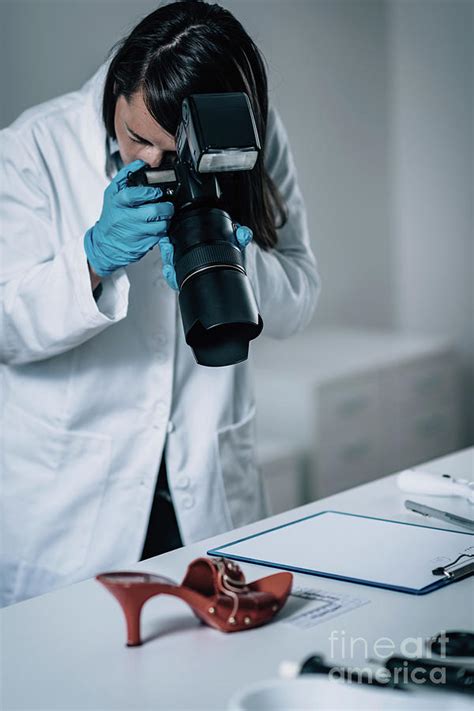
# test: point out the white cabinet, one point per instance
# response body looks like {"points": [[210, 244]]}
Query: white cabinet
{"points": [[283, 467], [356, 405]]}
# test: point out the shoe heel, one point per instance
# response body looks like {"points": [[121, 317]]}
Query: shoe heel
{"points": [[131, 604], [131, 599], [132, 610]]}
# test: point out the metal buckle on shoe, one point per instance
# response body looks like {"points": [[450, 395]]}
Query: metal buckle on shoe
{"points": [[230, 586]]}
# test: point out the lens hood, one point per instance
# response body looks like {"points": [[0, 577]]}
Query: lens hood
{"points": [[220, 315]]}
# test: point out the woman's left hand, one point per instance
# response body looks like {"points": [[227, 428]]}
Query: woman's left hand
{"points": [[243, 236]]}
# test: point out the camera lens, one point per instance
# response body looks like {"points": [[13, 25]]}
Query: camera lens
{"points": [[218, 308]]}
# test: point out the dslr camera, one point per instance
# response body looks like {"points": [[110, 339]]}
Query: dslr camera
{"points": [[216, 134]]}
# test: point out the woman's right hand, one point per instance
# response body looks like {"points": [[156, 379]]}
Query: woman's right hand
{"points": [[130, 225]]}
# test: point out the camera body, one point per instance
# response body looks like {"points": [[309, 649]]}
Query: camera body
{"points": [[219, 312]]}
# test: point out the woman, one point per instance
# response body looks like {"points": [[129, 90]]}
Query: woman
{"points": [[100, 385]]}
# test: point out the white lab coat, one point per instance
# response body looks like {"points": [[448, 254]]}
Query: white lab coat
{"points": [[92, 392]]}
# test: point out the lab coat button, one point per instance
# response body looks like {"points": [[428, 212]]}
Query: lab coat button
{"points": [[170, 427], [188, 502], [183, 482]]}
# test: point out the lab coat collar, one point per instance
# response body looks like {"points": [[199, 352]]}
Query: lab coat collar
{"points": [[104, 148]]}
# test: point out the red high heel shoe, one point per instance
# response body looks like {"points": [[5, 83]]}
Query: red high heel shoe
{"points": [[215, 589]]}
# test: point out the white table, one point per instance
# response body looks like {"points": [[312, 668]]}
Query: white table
{"points": [[65, 650]]}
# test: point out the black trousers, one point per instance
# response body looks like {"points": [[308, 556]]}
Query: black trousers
{"points": [[163, 532]]}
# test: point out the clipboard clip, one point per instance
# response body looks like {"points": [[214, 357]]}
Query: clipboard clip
{"points": [[456, 569]]}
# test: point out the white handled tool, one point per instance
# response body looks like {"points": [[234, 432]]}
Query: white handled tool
{"points": [[417, 481]]}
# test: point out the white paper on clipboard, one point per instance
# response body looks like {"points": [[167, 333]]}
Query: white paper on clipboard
{"points": [[364, 549]]}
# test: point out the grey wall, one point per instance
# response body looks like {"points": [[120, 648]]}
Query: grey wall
{"points": [[328, 64], [377, 99], [431, 75]]}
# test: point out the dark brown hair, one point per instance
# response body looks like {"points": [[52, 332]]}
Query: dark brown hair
{"points": [[195, 47]]}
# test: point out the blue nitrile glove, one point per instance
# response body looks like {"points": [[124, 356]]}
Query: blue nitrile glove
{"points": [[130, 224], [167, 255], [244, 236]]}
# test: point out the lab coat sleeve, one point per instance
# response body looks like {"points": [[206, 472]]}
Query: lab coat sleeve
{"points": [[46, 301], [285, 279]]}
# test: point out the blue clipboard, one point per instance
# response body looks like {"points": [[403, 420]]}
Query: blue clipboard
{"points": [[385, 553]]}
